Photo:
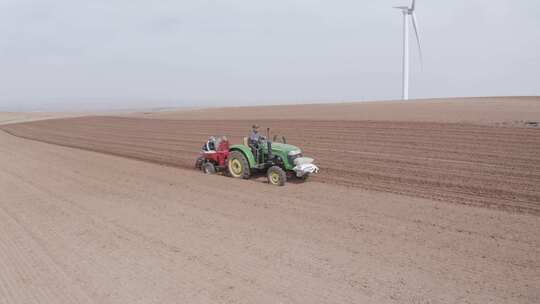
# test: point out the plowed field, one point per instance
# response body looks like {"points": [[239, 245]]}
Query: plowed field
{"points": [[488, 166]]}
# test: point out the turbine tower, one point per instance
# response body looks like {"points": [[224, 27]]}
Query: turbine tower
{"points": [[408, 12]]}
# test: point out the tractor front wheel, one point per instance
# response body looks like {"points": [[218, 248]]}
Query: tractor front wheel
{"points": [[276, 176], [238, 165], [304, 177]]}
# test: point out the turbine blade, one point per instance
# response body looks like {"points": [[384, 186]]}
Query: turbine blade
{"points": [[417, 34]]}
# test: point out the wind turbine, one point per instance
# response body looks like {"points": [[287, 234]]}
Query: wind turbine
{"points": [[408, 11]]}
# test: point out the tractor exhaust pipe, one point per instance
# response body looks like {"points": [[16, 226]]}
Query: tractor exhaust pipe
{"points": [[269, 145]]}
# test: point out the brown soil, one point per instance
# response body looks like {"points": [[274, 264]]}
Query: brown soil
{"points": [[84, 227], [487, 166], [17, 117], [506, 111]]}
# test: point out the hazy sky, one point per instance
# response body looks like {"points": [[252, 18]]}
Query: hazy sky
{"points": [[66, 54]]}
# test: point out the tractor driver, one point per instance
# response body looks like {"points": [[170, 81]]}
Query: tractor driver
{"points": [[254, 137], [253, 140]]}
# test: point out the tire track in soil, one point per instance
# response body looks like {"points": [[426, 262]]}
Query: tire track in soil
{"points": [[487, 166]]}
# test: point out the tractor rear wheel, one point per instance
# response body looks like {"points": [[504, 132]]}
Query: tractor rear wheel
{"points": [[209, 168], [238, 165], [276, 176]]}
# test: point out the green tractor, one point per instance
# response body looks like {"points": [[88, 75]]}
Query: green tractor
{"points": [[278, 160]]}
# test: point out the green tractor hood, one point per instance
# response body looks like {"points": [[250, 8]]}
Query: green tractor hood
{"points": [[284, 148], [278, 149]]}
